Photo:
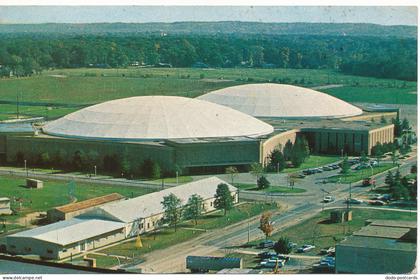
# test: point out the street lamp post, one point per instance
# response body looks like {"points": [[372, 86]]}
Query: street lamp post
{"points": [[94, 170], [26, 169], [176, 177]]}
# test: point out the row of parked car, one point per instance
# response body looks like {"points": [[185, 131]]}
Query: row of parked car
{"points": [[311, 171], [272, 259]]}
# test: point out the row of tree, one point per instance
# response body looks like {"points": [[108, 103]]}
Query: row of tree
{"points": [[400, 187], [296, 153], [174, 211], [86, 162], [367, 56]]}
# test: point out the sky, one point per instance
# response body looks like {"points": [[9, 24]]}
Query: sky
{"points": [[385, 15]]}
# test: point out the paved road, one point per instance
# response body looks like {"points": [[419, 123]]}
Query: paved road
{"points": [[218, 242]]}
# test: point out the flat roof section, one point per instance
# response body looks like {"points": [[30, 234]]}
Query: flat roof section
{"points": [[72, 207], [377, 243]]}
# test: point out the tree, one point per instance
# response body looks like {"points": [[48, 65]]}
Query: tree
{"points": [[282, 246], [389, 179], [263, 183], [277, 161], [300, 151], [405, 125], [413, 168], [223, 199], [266, 225], [193, 208], [172, 209], [156, 172], [44, 158], [363, 157], [287, 151], [233, 172], [397, 126], [383, 120], [394, 157], [257, 170], [345, 166]]}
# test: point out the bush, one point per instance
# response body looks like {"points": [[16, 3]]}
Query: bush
{"points": [[282, 246]]}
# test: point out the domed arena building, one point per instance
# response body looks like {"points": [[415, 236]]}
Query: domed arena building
{"points": [[145, 118], [234, 126], [282, 101]]}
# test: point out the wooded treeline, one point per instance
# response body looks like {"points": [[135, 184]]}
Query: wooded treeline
{"points": [[366, 56]]}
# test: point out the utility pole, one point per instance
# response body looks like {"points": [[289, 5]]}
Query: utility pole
{"points": [[17, 105]]}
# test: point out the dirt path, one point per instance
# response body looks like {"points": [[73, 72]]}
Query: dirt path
{"points": [[327, 86]]}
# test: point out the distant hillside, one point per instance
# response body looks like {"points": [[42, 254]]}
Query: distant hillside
{"points": [[209, 28]]}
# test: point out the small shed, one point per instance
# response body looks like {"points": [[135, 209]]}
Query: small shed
{"points": [[5, 206], [34, 184], [340, 216]]}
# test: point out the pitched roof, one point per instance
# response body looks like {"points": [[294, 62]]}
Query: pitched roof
{"points": [[70, 231], [150, 204], [96, 201]]}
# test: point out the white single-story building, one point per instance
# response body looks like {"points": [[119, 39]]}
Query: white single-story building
{"points": [[109, 223]]}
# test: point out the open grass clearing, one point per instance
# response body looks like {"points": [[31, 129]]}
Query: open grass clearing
{"points": [[271, 189], [357, 175], [53, 194]]}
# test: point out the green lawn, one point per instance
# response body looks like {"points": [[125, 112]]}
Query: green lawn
{"points": [[83, 86], [358, 175], [405, 95], [271, 189], [314, 161], [321, 233], [55, 193], [168, 237], [181, 180]]}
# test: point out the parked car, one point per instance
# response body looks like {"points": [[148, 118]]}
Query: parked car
{"points": [[377, 202], [318, 170], [368, 182], [329, 250], [267, 255], [272, 263], [335, 166], [353, 201], [266, 244], [328, 198], [385, 197], [305, 248], [292, 245], [327, 168], [301, 176]]}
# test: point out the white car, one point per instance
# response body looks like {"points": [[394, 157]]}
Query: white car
{"points": [[305, 248], [328, 198]]}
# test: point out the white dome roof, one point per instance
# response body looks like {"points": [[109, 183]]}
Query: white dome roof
{"points": [[281, 101], [154, 118]]}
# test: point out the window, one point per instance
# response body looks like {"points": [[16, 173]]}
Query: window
{"points": [[13, 246], [28, 249], [153, 223], [49, 251], [211, 203], [148, 225], [64, 250]]}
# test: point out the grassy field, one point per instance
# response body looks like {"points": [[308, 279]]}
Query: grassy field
{"points": [[181, 180], [358, 175], [271, 189], [322, 234], [313, 161], [407, 95], [83, 86], [167, 236], [54, 193]]}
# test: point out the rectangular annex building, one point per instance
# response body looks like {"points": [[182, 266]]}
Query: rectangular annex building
{"points": [[109, 223], [71, 210], [383, 246]]}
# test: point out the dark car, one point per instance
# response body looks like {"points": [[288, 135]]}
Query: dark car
{"points": [[266, 244], [267, 255]]}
